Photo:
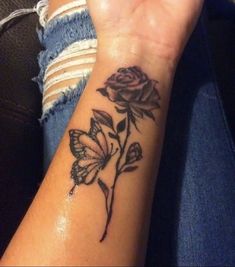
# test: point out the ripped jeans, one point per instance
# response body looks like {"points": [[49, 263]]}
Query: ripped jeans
{"points": [[193, 215]]}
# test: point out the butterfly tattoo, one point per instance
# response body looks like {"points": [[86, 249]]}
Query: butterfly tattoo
{"points": [[92, 154], [135, 97]]}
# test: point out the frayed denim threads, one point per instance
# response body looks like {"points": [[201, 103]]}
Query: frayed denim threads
{"points": [[59, 34]]}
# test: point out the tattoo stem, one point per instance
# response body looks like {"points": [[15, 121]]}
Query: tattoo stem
{"points": [[118, 172], [106, 205], [118, 138]]}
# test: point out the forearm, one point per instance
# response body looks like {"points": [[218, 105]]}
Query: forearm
{"points": [[93, 207], [65, 229]]}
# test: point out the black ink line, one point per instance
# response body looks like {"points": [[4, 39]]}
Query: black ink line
{"points": [[117, 167], [135, 97]]}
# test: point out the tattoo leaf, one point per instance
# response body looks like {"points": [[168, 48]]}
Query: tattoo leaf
{"points": [[103, 187], [102, 91], [119, 110], [121, 126], [149, 114], [130, 169], [103, 118], [113, 136], [133, 120], [135, 97]]}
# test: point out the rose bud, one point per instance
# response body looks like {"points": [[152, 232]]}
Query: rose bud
{"points": [[134, 153]]}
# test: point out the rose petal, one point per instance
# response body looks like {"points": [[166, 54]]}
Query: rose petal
{"points": [[146, 92], [137, 112], [115, 85], [129, 95], [145, 105], [122, 103], [112, 94], [140, 74]]}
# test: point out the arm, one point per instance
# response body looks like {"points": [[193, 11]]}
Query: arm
{"points": [[94, 204]]}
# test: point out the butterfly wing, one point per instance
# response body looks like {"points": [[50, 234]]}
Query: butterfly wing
{"points": [[91, 151], [82, 145], [84, 173], [98, 135], [75, 146]]}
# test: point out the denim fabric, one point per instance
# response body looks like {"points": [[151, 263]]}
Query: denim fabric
{"points": [[56, 120], [221, 9], [59, 34], [193, 216]]}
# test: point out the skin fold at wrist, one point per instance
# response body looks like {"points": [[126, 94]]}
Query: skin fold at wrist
{"points": [[141, 50]]}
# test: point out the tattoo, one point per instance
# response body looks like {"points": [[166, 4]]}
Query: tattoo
{"points": [[136, 97]]}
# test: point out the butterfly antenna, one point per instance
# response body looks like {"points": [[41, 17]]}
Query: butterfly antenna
{"points": [[72, 190], [111, 149], [113, 153]]}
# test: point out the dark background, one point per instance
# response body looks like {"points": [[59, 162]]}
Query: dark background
{"points": [[20, 108], [20, 103]]}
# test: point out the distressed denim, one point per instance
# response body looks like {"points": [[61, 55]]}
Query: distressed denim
{"points": [[193, 215]]}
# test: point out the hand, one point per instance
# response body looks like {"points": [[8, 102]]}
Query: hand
{"points": [[162, 26]]}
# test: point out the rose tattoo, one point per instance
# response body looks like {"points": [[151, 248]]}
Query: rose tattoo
{"points": [[136, 97], [131, 89]]}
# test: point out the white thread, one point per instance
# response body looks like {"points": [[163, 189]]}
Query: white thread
{"points": [[80, 45], [75, 50], [71, 57], [40, 9], [66, 7], [78, 62], [71, 12], [48, 106], [59, 90], [66, 76], [16, 14]]}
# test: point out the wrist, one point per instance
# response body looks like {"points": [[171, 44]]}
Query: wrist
{"points": [[158, 61], [149, 55], [122, 47]]}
